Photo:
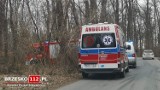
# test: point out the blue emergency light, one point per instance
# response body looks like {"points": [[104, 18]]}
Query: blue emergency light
{"points": [[130, 41]]}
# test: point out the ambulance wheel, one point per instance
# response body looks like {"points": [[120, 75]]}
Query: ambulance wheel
{"points": [[122, 74], [135, 65], [84, 75], [127, 70]]}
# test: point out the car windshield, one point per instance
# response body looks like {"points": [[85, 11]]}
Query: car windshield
{"points": [[129, 47], [148, 51], [101, 40]]}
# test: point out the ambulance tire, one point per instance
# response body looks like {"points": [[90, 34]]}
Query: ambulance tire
{"points": [[127, 70], [135, 65], [85, 75], [122, 74]]}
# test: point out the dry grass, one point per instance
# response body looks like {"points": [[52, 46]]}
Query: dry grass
{"points": [[54, 82], [63, 71]]}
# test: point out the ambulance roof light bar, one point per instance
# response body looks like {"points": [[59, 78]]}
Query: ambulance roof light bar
{"points": [[100, 23], [105, 22], [89, 23], [130, 41]]}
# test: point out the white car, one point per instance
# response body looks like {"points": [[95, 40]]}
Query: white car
{"points": [[130, 52], [148, 54]]}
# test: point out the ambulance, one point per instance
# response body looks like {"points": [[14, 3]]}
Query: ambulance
{"points": [[102, 50]]}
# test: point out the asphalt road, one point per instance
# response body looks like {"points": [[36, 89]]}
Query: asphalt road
{"points": [[145, 77]]}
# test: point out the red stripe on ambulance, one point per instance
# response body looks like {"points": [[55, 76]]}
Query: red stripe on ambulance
{"points": [[101, 58]]}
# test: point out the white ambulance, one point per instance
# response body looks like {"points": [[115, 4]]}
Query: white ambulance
{"points": [[102, 50]]}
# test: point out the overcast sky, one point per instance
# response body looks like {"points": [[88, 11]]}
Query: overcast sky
{"points": [[141, 2]]}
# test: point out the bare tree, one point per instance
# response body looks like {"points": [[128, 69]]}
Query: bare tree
{"points": [[148, 33], [74, 12], [117, 12], [13, 26], [33, 20], [115, 6], [129, 19], [93, 11], [59, 20], [103, 15], [3, 26], [48, 21], [87, 12]]}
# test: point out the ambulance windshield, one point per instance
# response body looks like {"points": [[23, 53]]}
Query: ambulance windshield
{"points": [[103, 40]]}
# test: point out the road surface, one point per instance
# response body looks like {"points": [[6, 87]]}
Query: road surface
{"points": [[145, 77]]}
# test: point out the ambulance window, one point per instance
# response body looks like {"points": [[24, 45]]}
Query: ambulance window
{"points": [[108, 40], [129, 47], [88, 41], [105, 40]]}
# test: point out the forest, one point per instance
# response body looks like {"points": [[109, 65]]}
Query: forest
{"points": [[23, 22]]}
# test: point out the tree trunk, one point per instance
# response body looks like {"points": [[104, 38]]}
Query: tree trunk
{"points": [[129, 26], [2, 22], [147, 33], [93, 9], [87, 12], [117, 12], [74, 12], [103, 15], [48, 19], [34, 22], [13, 26]]}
